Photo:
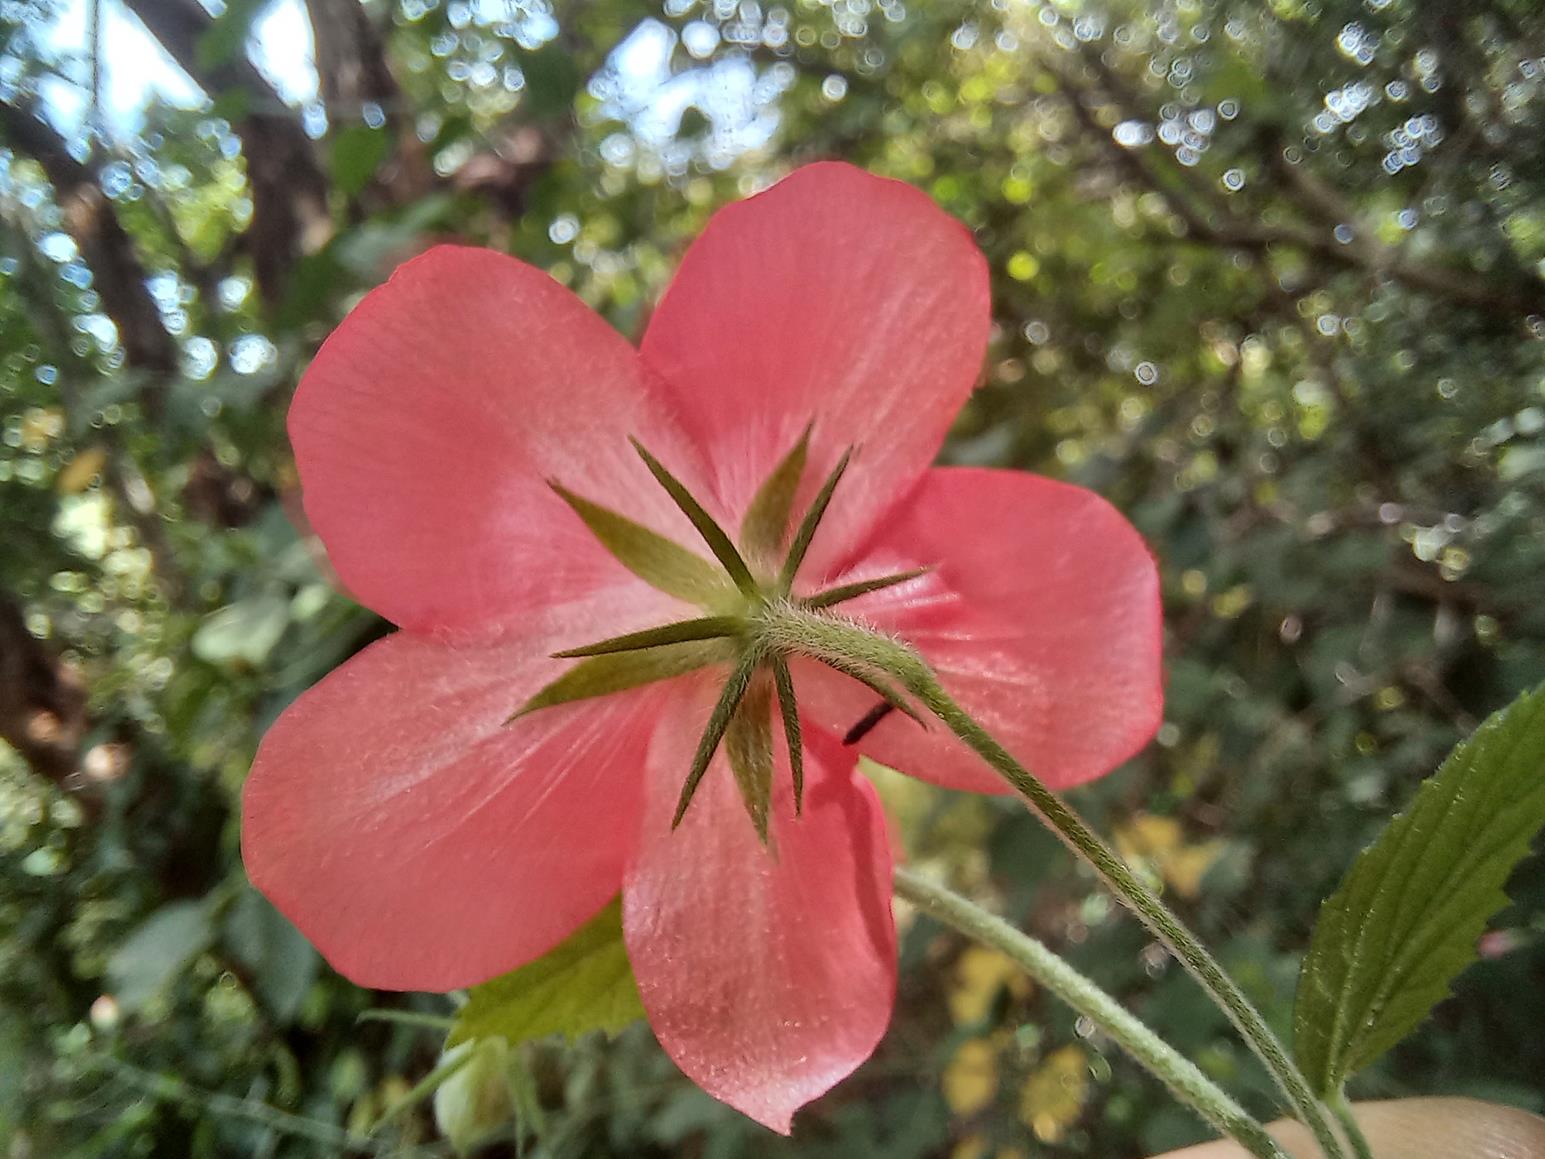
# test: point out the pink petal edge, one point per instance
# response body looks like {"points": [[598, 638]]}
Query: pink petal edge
{"points": [[420, 843], [1041, 616], [430, 421], [768, 976], [836, 296]]}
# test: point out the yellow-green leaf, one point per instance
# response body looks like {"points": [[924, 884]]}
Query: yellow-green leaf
{"points": [[584, 984]]}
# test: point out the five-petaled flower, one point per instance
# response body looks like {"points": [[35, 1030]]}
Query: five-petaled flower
{"points": [[465, 441]]}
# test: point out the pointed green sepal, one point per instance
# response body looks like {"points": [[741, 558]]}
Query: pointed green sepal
{"points": [[707, 628], [748, 745], [603, 675], [767, 519], [881, 688], [844, 592], [811, 521], [713, 733], [660, 562], [789, 708], [713, 535]]}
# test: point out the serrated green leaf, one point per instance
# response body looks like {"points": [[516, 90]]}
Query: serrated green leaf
{"points": [[584, 984], [619, 671], [660, 562], [767, 519], [748, 745], [1405, 921]]}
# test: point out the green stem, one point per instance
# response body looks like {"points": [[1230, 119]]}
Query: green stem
{"points": [[1132, 892], [1349, 1125], [450, 1066], [793, 629], [1185, 1081]]}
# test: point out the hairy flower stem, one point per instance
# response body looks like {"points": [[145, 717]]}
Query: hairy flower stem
{"points": [[1133, 893], [1179, 1074], [795, 630], [1349, 1124]]}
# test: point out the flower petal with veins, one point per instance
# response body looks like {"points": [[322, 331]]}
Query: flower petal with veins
{"points": [[838, 296], [422, 845], [422, 842], [429, 423], [768, 972], [1040, 614]]}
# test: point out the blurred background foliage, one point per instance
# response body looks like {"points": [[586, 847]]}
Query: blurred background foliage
{"points": [[1271, 276]]}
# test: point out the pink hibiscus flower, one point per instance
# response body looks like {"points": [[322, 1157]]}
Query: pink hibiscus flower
{"points": [[464, 444]]}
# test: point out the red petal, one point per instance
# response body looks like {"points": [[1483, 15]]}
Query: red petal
{"points": [[835, 296], [427, 425], [419, 842], [1042, 618], [768, 975]]}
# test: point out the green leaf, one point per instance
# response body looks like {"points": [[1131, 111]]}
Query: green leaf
{"points": [[552, 80], [619, 671], [226, 35], [748, 745], [767, 519], [158, 951], [245, 631], [584, 984], [659, 562], [1405, 921], [279, 960], [358, 151]]}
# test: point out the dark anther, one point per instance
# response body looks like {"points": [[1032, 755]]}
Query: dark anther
{"points": [[867, 722]]}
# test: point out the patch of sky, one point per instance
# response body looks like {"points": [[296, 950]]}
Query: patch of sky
{"points": [[642, 87], [137, 70], [645, 84]]}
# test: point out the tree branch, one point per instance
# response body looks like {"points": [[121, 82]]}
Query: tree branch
{"points": [[290, 213], [119, 277], [120, 281], [350, 59], [1208, 219], [354, 72], [42, 703]]}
